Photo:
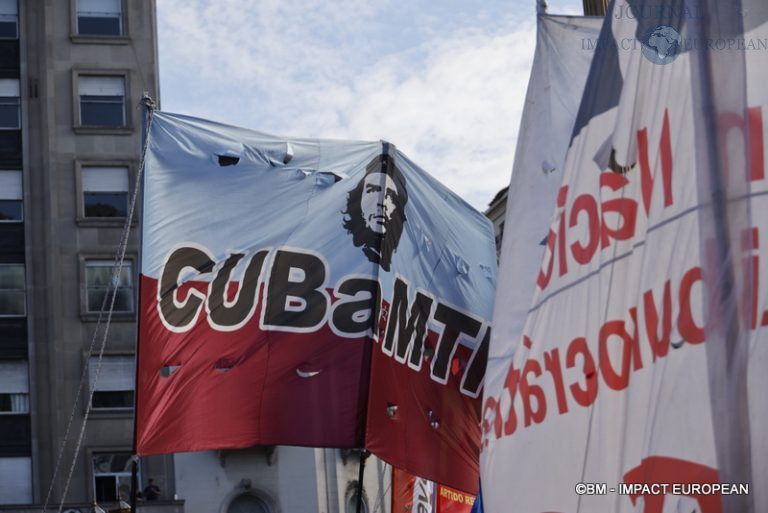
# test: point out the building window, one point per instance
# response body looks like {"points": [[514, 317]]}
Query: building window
{"points": [[247, 503], [14, 387], [100, 283], [11, 194], [112, 383], [111, 476], [102, 101], [14, 403], [16, 480], [9, 19], [12, 290], [10, 108], [99, 17], [105, 191]]}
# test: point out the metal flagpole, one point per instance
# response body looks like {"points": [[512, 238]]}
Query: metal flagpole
{"points": [[363, 456], [134, 481], [149, 107]]}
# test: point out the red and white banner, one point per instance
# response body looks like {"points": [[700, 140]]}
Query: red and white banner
{"points": [[450, 500], [412, 494], [637, 381], [307, 292]]}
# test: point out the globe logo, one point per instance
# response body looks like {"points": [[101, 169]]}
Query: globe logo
{"points": [[661, 44]]}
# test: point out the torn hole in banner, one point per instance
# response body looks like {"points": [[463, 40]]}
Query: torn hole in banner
{"points": [[224, 365], [167, 370], [228, 156], [303, 371], [326, 178], [228, 160]]}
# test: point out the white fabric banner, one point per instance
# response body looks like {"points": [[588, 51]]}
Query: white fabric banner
{"points": [[604, 402], [559, 72]]}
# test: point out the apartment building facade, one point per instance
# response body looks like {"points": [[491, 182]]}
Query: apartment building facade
{"points": [[72, 73]]}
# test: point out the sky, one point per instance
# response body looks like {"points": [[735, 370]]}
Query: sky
{"points": [[443, 80]]}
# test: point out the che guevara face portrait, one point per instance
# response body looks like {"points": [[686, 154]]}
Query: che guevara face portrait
{"points": [[378, 202], [375, 212]]}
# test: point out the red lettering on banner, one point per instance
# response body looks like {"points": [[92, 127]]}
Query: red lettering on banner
{"points": [[617, 355], [757, 152], [751, 276], [685, 323], [583, 228], [583, 253], [527, 391], [584, 396], [662, 469], [605, 221], [624, 208], [561, 197], [750, 244], [552, 365], [659, 343], [750, 129], [630, 352], [646, 175], [510, 384], [544, 276]]}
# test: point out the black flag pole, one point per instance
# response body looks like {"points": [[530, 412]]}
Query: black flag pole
{"points": [[134, 482], [148, 108], [361, 472]]}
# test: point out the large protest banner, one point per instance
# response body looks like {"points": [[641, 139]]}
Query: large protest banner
{"points": [[305, 292], [637, 381]]}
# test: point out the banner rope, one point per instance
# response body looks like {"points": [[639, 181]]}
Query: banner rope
{"points": [[117, 268]]}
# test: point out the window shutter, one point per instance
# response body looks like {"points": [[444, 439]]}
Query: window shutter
{"points": [[8, 7], [105, 179], [14, 377], [9, 87], [99, 6], [15, 480], [116, 374], [10, 185], [102, 86]]}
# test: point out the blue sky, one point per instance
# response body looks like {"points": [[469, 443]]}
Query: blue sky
{"points": [[443, 80]]}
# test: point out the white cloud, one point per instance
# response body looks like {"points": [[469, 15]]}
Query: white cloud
{"points": [[447, 92]]}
